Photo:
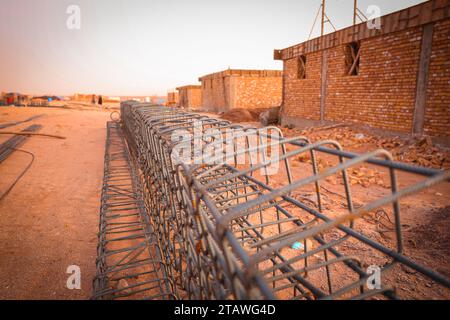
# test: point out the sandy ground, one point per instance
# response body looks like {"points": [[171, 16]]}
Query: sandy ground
{"points": [[49, 221]]}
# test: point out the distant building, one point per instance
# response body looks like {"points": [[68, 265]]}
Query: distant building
{"points": [[190, 96], [172, 99], [38, 102], [249, 89], [49, 98], [14, 98], [395, 77], [2, 99]]}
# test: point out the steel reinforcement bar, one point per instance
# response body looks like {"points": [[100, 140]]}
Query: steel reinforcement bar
{"points": [[228, 228]]}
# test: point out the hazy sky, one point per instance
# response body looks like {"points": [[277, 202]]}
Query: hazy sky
{"points": [[143, 47]]}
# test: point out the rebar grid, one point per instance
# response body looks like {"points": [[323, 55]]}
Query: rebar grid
{"points": [[128, 263], [229, 230]]}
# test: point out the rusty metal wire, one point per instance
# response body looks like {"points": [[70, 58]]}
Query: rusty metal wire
{"points": [[129, 263], [229, 230]]}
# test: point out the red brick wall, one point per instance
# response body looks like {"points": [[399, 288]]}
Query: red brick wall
{"points": [[172, 99], [437, 114], [195, 98], [302, 96], [190, 97], [215, 93], [383, 94], [247, 89], [183, 100], [257, 92]]}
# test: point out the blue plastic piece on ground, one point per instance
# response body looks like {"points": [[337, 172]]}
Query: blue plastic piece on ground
{"points": [[297, 246]]}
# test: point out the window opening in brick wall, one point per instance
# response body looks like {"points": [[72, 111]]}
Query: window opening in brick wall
{"points": [[301, 69], [352, 57]]}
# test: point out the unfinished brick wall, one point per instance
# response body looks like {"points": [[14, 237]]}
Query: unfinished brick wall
{"points": [[190, 96], [172, 99], [437, 115], [249, 89], [215, 93], [403, 79], [83, 97], [303, 92]]}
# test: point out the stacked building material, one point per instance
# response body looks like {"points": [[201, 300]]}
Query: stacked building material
{"points": [[128, 263]]}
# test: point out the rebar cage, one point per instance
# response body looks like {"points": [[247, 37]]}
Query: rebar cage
{"points": [[226, 228]]}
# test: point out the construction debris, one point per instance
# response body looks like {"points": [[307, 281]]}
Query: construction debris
{"points": [[417, 151], [269, 117]]}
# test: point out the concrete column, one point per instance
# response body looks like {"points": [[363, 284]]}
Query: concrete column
{"points": [[422, 79], [323, 88]]}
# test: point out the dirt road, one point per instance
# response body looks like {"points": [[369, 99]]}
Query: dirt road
{"points": [[49, 221]]}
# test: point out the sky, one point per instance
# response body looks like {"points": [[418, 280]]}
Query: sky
{"points": [[146, 47]]}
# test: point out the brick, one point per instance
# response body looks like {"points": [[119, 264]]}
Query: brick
{"points": [[248, 89]]}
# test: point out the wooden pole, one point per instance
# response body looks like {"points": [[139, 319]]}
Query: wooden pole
{"points": [[355, 7], [323, 18]]}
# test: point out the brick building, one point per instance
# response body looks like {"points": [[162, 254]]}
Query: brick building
{"points": [[249, 89], [395, 78], [80, 97], [190, 96], [172, 99]]}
